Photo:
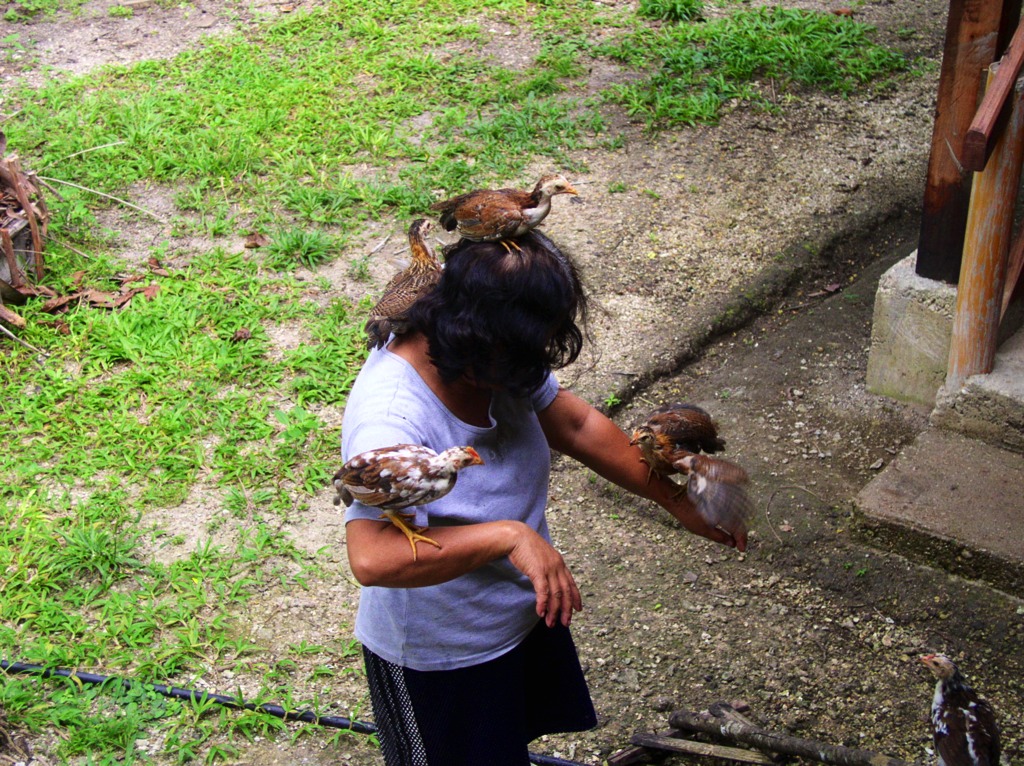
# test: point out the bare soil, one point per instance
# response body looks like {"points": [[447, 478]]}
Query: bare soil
{"points": [[737, 271]]}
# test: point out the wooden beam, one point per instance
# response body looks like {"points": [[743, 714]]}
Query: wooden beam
{"points": [[973, 35], [636, 754], [981, 138], [989, 229]]}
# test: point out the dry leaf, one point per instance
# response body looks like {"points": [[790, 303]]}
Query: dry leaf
{"points": [[55, 305], [256, 240], [36, 290], [101, 299], [125, 297]]}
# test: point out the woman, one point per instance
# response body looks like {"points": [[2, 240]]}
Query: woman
{"points": [[467, 648]]}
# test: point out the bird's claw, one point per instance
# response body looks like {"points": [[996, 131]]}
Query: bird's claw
{"points": [[414, 534]]}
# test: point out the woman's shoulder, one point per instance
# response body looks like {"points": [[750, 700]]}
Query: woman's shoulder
{"points": [[386, 382], [545, 393], [384, 397]]}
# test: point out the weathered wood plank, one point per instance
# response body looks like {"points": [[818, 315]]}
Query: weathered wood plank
{"points": [[676, 745], [984, 131]]}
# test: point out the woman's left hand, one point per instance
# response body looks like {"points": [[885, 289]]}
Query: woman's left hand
{"points": [[557, 594]]}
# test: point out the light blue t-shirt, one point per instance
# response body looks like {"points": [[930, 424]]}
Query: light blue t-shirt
{"points": [[487, 612]]}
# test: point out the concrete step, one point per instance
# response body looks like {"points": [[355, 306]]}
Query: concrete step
{"points": [[952, 501], [989, 407]]}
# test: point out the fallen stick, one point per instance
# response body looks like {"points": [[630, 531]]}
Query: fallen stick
{"points": [[725, 711], [6, 315], [676, 745], [781, 743], [729, 713]]}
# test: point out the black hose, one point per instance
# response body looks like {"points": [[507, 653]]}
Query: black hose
{"points": [[306, 716]]}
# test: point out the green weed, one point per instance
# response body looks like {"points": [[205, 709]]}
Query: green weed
{"points": [[305, 247], [671, 10]]}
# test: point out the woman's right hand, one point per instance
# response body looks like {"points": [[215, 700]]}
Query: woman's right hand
{"points": [[557, 594]]}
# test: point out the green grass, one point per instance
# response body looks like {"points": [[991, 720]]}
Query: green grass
{"points": [[698, 68], [279, 114], [160, 396], [30, 9], [302, 128]]}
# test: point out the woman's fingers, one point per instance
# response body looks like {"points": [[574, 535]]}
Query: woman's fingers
{"points": [[557, 593]]}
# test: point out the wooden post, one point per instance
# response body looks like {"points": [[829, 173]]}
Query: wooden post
{"points": [[976, 33], [987, 241]]}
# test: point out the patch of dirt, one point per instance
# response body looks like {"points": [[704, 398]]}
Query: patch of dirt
{"points": [[94, 37], [708, 252]]}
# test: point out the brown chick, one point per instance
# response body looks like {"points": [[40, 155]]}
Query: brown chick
{"points": [[718, 489], [423, 272], [402, 476], [673, 431], [963, 724], [499, 214]]}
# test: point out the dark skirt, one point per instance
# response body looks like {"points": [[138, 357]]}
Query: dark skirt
{"points": [[484, 715]]}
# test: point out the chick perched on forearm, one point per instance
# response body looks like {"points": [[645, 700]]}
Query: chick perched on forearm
{"points": [[402, 476]]}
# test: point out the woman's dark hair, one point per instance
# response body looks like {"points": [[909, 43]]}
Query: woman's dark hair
{"points": [[506, 317]]}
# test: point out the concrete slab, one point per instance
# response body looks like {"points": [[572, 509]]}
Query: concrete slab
{"points": [[956, 502]]}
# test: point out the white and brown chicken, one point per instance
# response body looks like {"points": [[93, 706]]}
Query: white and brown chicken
{"points": [[718, 489], [402, 476], [963, 724]]}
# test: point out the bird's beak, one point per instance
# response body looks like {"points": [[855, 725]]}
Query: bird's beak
{"points": [[570, 189]]}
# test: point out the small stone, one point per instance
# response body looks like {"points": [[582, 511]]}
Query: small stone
{"points": [[662, 703]]}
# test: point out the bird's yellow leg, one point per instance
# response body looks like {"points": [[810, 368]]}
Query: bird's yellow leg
{"points": [[400, 520], [680, 491], [508, 244]]}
